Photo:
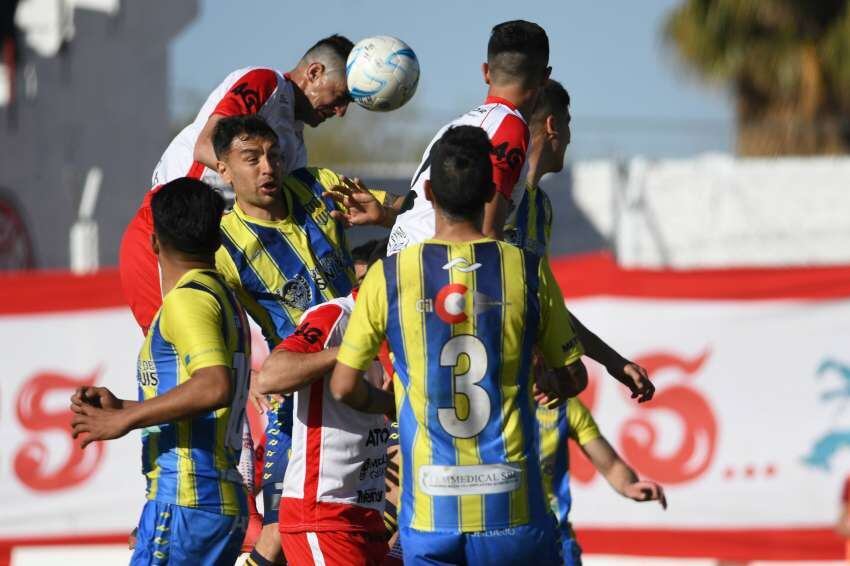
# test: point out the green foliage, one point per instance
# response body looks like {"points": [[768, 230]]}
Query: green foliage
{"points": [[785, 60]]}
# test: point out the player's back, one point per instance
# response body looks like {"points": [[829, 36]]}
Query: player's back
{"points": [[508, 132], [192, 462], [462, 321], [251, 90]]}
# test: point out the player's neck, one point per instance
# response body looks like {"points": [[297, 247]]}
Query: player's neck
{"points": [[535, 171], [454, 230], [301, 105], [173, 268], [272, 213], [517, 95]]}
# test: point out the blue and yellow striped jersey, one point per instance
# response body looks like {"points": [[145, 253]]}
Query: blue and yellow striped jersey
{"points": [[530, 227], [281, 268], [461, 320], [571, 420], [192, 462]]}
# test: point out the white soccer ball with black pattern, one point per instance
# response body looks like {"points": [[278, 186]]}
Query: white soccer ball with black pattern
{"points": [[382, 73]]}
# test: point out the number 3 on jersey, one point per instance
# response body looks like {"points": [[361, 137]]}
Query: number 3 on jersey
{"points": [[466, 384]]}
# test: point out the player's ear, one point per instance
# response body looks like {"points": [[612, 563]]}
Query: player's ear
{"points": [[551, 126], [315, 70], [429, 195], [224, 171], [485, 70]]}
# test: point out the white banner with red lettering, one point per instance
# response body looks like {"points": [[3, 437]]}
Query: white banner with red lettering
{"points": [[748, 430]]}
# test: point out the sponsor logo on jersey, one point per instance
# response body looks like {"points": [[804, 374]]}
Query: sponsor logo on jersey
{"points": [[296, 293], [373, 468], [450, 303], [470, 480], [378, 436], [462, 265], [146, 374], [365, 496]]}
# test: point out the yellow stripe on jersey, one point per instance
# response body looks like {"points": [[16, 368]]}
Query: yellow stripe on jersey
{"points": [[192, 462], [461, 320]]}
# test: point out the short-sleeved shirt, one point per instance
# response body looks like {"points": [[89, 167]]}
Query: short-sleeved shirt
{"points": [[252, 90], [571, 420], [335, 479], [461, 320], [193, 462], [509, 134]]}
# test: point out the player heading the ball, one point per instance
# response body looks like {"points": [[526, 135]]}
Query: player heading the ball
{"points": [[462, 314]]}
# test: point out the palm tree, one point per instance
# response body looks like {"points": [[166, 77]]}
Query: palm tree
{"points": [[787, 63]]}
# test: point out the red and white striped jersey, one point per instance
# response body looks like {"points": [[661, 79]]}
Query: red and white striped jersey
{"points": [[509, 135], [252, 90], [335, 476]]}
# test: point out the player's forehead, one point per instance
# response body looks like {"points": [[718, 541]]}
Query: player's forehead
{"points": [[253, 143]]}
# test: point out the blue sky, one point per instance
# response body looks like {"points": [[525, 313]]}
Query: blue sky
{"points": [[629, 94]]}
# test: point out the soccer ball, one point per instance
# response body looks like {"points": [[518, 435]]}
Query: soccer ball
{"points": [[382, 73]]}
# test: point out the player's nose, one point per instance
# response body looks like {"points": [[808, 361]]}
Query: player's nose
{"points": [[340, 110]]}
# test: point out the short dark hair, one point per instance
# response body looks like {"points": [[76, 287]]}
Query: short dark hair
{"points": [[518, 52], [335, 44], [552, 99], [227, 129], [187, 215], [461, 171], [371, 251]]}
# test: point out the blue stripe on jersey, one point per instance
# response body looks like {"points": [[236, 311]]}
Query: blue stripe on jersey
{"points": [[438, 378], [540, 207], [488, 327], [406, 419], [203, 439], [522, 222], [560, 477], [318, 189], [524, 402], [251, 282], [166, 366]]}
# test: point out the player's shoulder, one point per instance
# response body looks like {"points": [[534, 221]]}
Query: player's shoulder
{"points": [[255, 76], [331, 310]]}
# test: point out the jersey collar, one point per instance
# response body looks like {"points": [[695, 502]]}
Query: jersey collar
{"points": [[237, 210], [500, 100]]}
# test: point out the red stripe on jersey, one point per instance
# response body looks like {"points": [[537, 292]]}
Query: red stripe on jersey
{"points": [[313, 451], [500, 100], [196, 171], [248, 93], [510, 144], [312, 333]]}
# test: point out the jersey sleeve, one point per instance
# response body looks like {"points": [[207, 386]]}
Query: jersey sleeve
{"points": [[510, 143], [312, 333], [583, 427], [248, 93], [556, 337], [191, 320], [368, 324]]}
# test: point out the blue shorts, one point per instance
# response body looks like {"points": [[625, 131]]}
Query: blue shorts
{"points": [[175, 535], [276, 457], [521, 546], [570, 548]]}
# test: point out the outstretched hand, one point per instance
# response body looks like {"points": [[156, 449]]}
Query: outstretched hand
{"points": [[96, 397], [646, 491], [636, 379], [361, 206]]}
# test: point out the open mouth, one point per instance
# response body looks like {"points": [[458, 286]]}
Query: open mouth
{"points": [[268, 188]]}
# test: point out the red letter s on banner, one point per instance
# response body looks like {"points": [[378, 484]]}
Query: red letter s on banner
{"points": [[31, 460]]}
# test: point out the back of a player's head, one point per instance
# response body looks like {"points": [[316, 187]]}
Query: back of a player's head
{"points": [[331, 51], [517, 53], [232, 127], [186, 217], [461, 172], [552, 100]]}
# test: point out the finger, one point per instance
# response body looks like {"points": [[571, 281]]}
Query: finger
{"points": [[86, 441], [80, 429], [337, 196], [77, 408], [256, 404], [662, 498]]}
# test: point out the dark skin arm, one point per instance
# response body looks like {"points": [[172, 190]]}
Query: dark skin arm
{"points": [[208, 389], [495, 215], [284, 371], [628, 373], [347, 386], [204, 152]]}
